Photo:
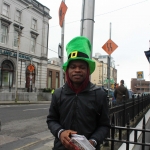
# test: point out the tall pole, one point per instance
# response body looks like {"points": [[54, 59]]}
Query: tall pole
{"points": [[16, 87], [108, 64], [62, 52], [140, 86], [102, 73], [87, 20], [149, 68]]}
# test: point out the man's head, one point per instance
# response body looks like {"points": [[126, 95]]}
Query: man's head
{"points": [[122, 82], [79, 48], [78, 71]]}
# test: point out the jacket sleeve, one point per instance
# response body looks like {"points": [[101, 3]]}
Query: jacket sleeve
{"points": [[103, 119], [53, 116], [115, 93], [127, 94]]}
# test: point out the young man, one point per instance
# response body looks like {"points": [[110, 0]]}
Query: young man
{"points": [[79, 107], [120, 91]]}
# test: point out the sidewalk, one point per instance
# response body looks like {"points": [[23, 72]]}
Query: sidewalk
{"points": [[23, 102]]}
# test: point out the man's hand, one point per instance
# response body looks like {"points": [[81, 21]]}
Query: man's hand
{"points": [[65, 139], [92, 143]]}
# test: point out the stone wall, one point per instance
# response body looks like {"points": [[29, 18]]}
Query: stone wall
{"points": [[25, 96]]}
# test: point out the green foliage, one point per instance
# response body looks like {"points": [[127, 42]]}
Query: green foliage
{"points": [[48, 90]]}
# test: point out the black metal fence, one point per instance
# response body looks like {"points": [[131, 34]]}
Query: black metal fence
{"points": [[134, 107], [121, 117], [124, 135]]}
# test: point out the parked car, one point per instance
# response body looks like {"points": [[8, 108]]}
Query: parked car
{"points": [[130, 93]]}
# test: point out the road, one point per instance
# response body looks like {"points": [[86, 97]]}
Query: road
{"points": [[23, 127]]}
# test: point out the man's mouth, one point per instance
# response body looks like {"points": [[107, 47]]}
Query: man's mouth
{"points": [[77, 75]]}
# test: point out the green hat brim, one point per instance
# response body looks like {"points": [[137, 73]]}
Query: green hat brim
{"points": [[90, 62]]}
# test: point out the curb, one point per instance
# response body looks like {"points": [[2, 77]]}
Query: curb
{"points": [[23, 102]]}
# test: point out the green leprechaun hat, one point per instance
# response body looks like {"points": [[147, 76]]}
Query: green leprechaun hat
{"points": [[79, 48]]}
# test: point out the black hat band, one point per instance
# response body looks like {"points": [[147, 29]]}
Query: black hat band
{"points": [[75, 54]]}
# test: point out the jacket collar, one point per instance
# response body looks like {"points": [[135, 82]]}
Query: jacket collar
{"points": [[90, 87]]}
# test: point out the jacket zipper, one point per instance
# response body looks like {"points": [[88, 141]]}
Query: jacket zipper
{"points": [[74, 110]]}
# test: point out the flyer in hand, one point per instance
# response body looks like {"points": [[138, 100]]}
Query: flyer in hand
{"points": [[81, 142]]}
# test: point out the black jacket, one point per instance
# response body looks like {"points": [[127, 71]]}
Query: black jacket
{"points": [[119, 92], [86, 113]]}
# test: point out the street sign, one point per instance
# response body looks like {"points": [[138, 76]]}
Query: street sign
{"points": [[107, 80], [140, 75], [31, 68], [109, 47], [62, 12]]}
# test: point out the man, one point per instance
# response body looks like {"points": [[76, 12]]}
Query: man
{"points": [[120, 91], [79, 107]]}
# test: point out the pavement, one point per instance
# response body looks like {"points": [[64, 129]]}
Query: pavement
{"points": [[47, 141], [23, 102]]}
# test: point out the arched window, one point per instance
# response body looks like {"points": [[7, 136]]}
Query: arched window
{"points": [[7, 73]]}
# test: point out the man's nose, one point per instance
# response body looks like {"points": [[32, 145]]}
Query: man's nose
{"points": [[77, 69]]}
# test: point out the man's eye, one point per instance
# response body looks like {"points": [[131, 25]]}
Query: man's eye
{"points": [[72, 66], [83, 67]]}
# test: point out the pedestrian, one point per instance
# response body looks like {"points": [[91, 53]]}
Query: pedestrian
{"points": [[79, 107], [120, 91]]}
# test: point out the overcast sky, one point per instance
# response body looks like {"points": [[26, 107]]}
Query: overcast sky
{"points": [[130, 30]]}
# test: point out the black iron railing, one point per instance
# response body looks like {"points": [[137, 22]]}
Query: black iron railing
{"points": [[134, 107], [121, 117], [126, 139]]}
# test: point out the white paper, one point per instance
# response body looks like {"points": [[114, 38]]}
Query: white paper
{"points": [[81, 142]]}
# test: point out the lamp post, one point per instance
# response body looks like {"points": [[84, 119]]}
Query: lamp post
{"points": [[102, 72], [19, 34]]}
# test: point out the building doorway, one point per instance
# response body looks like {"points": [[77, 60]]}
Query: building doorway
{"points": [[30, 79], [6, 74]]}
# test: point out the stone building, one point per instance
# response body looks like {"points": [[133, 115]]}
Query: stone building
{"points": [[53, 73], [26, 31], [140, 86], [99, 76]]}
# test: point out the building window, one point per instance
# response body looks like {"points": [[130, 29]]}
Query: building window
{"points": [[5, 10], [34, 24], [57, 80], [33, 44], [16, 33], [50, 80], [6, 78], [105, 71], [18, 16], [4, 31]]}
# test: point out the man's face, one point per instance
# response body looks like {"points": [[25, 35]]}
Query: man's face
{"points": [[77, 71]]}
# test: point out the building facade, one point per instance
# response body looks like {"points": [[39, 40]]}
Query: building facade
{"points": [[53, 73], [140, 86], [100, 75], [24, 31]]}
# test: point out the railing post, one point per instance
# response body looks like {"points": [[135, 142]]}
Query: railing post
{"points": [[128, 132], [142, 103], [124, 111], [143, 134], [138, 98], [133, 107], [112, 131]]}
